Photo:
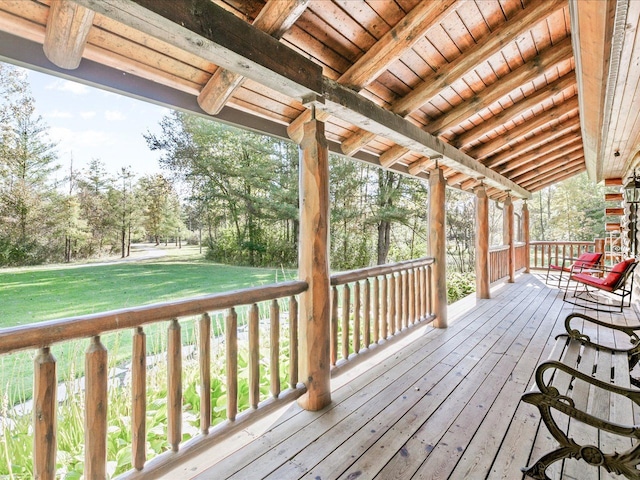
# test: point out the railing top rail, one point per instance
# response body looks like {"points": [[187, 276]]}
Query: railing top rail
{"points": [[560, 242], [362, 273], [38, 335], [498, 248]]}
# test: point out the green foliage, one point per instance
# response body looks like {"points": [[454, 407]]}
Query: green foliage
{"points": [[459, 285]]}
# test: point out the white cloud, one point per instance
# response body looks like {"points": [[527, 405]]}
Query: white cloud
{"points": [[113, 115], [87, 115], [68, 139], [67, 86], [58, 114]]}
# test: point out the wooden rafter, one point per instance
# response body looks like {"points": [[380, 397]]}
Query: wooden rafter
{"points": [[558, 177], [543, 120], [275, 18], [517, 109], [552, 161], [553, 170], [527, 72], [555, 149], [419, 165], [66, 33], [533, 145], [395, 43], [392, 155]]}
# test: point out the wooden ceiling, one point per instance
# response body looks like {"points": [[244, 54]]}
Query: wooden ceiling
{"points": [[490, 90]]}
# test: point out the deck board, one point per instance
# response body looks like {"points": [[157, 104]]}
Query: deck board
{"points": [[434, 404]]}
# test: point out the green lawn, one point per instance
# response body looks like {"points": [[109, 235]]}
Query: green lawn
{"points": [[36, 294], [29, 295]]}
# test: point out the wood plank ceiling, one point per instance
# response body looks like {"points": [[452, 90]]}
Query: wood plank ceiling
{"points": [[490, 84]]}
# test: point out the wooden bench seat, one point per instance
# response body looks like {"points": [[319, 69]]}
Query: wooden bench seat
{"points": [[585, 399]]}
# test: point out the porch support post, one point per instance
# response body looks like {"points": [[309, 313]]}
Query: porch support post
{"points": [[509, 238], [482, 243], [313, 267], [437, 245], [527, 239]]}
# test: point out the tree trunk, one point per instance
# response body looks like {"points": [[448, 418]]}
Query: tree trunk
{"points": [[384, 241]]}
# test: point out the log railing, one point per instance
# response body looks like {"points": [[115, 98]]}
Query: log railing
{"points": [[45, 336], [376, 303], [521, 255], [543, 253], [498, 262]]}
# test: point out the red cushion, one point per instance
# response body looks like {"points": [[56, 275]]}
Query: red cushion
{"points": [[587, 260], [617, 271], [593, 281]]}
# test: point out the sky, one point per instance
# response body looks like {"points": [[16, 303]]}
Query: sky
{"points": [[89, 123]]}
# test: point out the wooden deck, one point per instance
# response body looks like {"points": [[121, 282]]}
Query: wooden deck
{"points": [[435, 404]]}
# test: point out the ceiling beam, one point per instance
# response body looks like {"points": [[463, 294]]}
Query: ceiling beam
{"points": [[592, 23], [539, 121], [533, 144], [546, 155], [553, 170], [516, 109], [545, 183], [347, 105], [525, 73], [392, 155], [202, 28], [396, 42], [275, 18], [66, 33], [521, 174]]}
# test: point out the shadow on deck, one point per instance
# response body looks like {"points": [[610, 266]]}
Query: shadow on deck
{"points": [[434, 404]]}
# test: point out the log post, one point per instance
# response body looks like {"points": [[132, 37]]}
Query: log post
{"points": [[482, 243], [313, 266], [138, 399], [437, 246], [509, 239], [44, 415], [527, 239], [204, 360]]}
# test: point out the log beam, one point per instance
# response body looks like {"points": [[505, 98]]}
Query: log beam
{"points": [[525, 73], [202, 28], [66, 34], [313, 265], [275, 18], [437, 246], [392, 155], [482, 243]]}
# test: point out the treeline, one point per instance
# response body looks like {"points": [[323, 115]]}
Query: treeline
{"points": [[237, 192]]}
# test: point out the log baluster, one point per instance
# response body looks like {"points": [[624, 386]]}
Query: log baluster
{"points": [[274, 361], [397, 326], [356, 317], [392, 306], [412, 298], [204, 360], [95, 421], [346, 306], [44, 415], [231, 341], [429, 290], [139, 399], [384, 298], [293, 342], [367, 313], [334, 325], [174, 389], [254, 356], [376, 310], [406, 308]]}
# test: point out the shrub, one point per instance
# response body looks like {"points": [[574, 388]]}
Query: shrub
{"points": [[459, 285]]}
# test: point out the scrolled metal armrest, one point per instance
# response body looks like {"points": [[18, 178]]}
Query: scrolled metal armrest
{"points": [[630, 330]]}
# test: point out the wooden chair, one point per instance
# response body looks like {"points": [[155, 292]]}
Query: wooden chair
{"points": [[613, 281], [584, 261]]}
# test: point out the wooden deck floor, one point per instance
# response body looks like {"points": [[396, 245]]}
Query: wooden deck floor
{"points": [[436, 404]]}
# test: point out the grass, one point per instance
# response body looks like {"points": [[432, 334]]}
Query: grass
{"points": [[31, 295]]}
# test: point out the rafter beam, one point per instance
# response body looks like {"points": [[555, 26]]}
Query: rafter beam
{"points": [[497, 39], [419, 165], [347, 105], [502, 35], [551, 169], [275, 18], [543, 119], [515, 110], [569, 131], [66, 33], [392, 155], [395, 42], [520, 165], [536, 187], [558, 174], [525, 73], [521, 173], [202, 28]]}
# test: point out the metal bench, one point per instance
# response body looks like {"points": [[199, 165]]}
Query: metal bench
{"points": [[586, 401]]}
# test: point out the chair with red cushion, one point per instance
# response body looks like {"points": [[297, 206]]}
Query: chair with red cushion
{"points": [[614, 282], [584, 262]]}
